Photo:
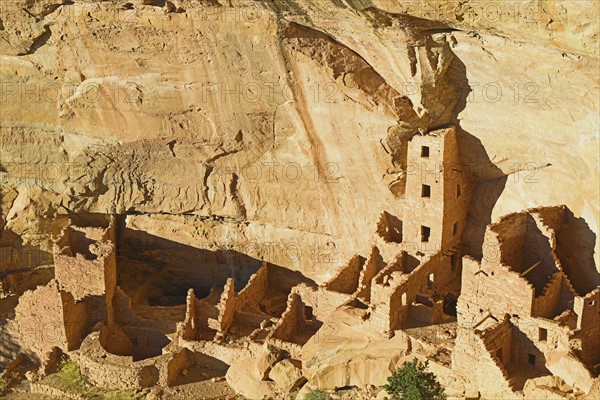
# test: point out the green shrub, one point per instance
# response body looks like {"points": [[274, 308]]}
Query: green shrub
{"points": [[70, 376], [317, 394], [412, 382], [71, 380]]}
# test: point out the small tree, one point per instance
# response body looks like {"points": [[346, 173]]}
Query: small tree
{"points": [[412, 382]]}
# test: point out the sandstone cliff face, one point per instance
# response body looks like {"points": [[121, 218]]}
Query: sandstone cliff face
{"points": [[282, 120], [277, 129]]}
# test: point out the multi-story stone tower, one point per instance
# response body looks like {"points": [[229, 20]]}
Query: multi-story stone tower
{"points": [[438, 191]]}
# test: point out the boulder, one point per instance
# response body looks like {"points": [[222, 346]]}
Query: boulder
{"points": [[245, 378], [286, 375]]}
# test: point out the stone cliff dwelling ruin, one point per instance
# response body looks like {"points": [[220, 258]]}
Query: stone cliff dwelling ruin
{"points": [[250, 199], [147, 315]]}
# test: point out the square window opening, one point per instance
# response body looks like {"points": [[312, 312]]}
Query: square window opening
{"points": [[543, 334], [425, 233], [531, 359], [425, 151], [425, 191]]}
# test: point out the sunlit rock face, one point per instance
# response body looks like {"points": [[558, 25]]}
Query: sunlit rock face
{"points": [[221, 134]]}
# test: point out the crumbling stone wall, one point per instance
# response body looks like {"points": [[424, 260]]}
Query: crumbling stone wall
{"points": [[322, 301], [255, 290], [80, 276], [521, 242], [149, 335], [474, 357], [293, 326], [389, 304], [110, 371], [172, 366], [371, 268], [492, 289], [498, 340], [551, 301], [49, 317], [574, 244], [521, 275], [588, 322], [188, 328], [226, 308], [347, 279], [85, 265], [394, 292]]}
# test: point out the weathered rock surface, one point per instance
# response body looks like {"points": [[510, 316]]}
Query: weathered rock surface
{"points": [[242, 131], [242, 125]]}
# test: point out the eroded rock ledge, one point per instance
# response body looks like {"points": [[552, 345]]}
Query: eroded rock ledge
{"points": [[277, 196]]}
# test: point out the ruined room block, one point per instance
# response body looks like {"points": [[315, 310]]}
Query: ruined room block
{"points": [[49, 317], [348, 278]]}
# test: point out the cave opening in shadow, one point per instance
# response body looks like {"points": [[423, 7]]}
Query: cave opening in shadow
{"points": [[155, 271], [154, 278]]}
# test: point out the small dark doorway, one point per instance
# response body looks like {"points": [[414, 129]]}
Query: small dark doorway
{"points": [[308, 313], [450, 304]]}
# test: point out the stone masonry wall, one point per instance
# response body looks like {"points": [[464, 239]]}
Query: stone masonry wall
{"points": [[393, 297], [588, 310], [226, 309], [322, 301], [292, 320], [255, 290], [347, 280], [172, 367], [80, 276], [481, 371], [457, 191], [114, 372], [371, 268], [547, 305], [187, 329], [48, 317], [492, 289]]}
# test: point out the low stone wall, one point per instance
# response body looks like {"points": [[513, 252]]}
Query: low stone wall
{"points": [[114, 372], [173, 365], [47, 390]]}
